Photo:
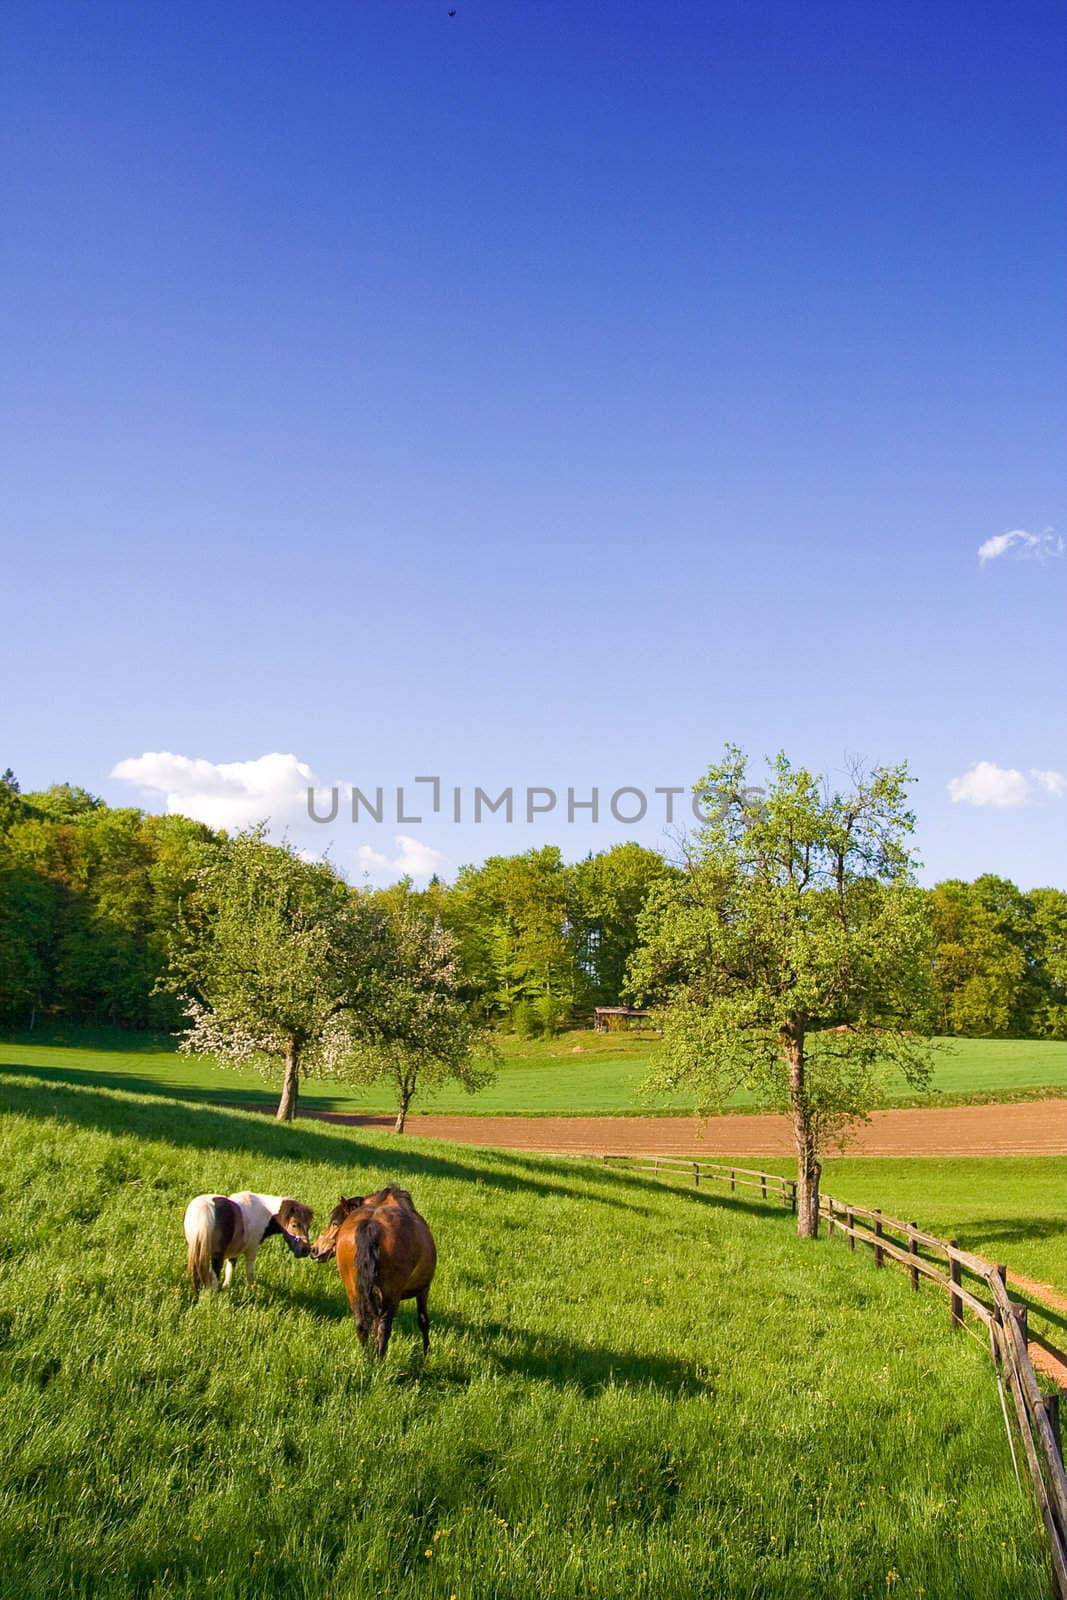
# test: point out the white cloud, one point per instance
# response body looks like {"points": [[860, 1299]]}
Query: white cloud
{"points": [[413, 859], [990, 785], [226, 794], [1038, 545], [274, 788], [986, 784], [1053, 783]]}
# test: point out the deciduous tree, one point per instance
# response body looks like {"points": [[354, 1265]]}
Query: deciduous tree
{"points": [[276, 961], [417, 1030], [793, 955]]}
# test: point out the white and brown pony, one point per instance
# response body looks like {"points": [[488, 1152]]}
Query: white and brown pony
{"points": [[219, 1228]]}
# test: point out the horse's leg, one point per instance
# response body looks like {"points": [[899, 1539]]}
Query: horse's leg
{"points": [[424, 1318], [385, 1328], [250, 1266], [216, 1273]]}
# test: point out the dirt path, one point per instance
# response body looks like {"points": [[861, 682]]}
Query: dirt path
{"points": [[1029, 1128]]}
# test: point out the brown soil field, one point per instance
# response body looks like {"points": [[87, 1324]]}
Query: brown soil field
{"points": [[1027, 1128]]}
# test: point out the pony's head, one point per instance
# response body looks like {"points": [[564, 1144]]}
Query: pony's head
{"points": [[293, 1221], [325, 1245]]}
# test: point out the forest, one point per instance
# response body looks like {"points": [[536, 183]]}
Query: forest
{"points": [[92, 896]]}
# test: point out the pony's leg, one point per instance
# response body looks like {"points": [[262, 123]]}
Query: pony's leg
{"points": [[227, 1275], [424, 1319], [250, 1266], [385, 1328]]}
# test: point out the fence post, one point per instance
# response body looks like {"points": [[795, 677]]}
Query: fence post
{"points": [[733, 1180], [913, 1250], [696, 1173], [763, 1184], [954, 1274], [879, 1254], [1050, 1405], [793, 1197], [850, 1218], [1018, 1311]]}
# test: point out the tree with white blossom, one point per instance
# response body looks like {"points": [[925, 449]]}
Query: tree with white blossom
{"points": [[276, 962]]}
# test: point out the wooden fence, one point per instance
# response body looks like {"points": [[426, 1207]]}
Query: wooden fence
{"points": [[770, 1184], [1031, 1418]]}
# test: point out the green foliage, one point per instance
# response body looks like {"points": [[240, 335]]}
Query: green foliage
{"points": [[523, 1019], [276, 960], [12, 807], [1000, 964], [607, 896], [414, 1028], [794, 954], [1050, 937], [510, 916], [630, 1391], [63, 802], [549, 1014], [87, 906]]}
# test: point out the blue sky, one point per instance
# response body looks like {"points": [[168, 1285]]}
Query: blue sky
{"points": [[544, 395]]}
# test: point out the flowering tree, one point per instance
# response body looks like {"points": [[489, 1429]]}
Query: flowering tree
{"points": [[275, 961]]}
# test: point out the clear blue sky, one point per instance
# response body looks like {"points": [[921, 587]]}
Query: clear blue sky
{"points": [[545, 394]]}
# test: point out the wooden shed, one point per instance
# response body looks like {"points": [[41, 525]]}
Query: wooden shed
{"points": [[613, 1019]]}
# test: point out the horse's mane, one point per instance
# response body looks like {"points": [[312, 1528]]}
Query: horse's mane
{"points": [[392, 1192], [294, 1211]]}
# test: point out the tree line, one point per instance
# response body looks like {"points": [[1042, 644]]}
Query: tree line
{"points": [[91, 897]]}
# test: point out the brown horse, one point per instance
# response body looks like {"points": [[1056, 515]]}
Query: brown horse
{"points": [[385, 1254]]}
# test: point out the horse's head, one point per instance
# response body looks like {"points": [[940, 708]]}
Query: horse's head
{"points": [[294, 1220], [325, 1245]]}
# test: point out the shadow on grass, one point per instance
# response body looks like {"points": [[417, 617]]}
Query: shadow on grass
{"points": [[74, 1036], [131, 1083], [199, 1126], [566, 1361]]}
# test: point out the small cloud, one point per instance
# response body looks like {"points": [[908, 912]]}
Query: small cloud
{"points": [[1053, 783], [1038, 546], [413, 859], [990, 785], [986, 784]]}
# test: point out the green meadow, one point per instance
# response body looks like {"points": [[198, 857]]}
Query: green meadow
{"points": [[579, 1074], [632, 1390]]}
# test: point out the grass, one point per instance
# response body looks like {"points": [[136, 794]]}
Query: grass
{"points": [[579, 1074], [630, 1391]]}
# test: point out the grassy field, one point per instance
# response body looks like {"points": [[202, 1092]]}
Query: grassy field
{"points": [[581, 1074], [630, 1391]]}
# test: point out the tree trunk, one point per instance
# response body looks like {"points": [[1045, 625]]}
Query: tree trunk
{"points": [[401, 1116], [809, 1168], [290, 1083]]}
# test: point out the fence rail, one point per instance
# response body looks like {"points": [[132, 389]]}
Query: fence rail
{"points": [[986, 1297], [770, 1184]]}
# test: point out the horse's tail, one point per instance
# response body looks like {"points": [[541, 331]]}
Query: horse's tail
{"points": [[199, 1228], [368, 1242]]}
